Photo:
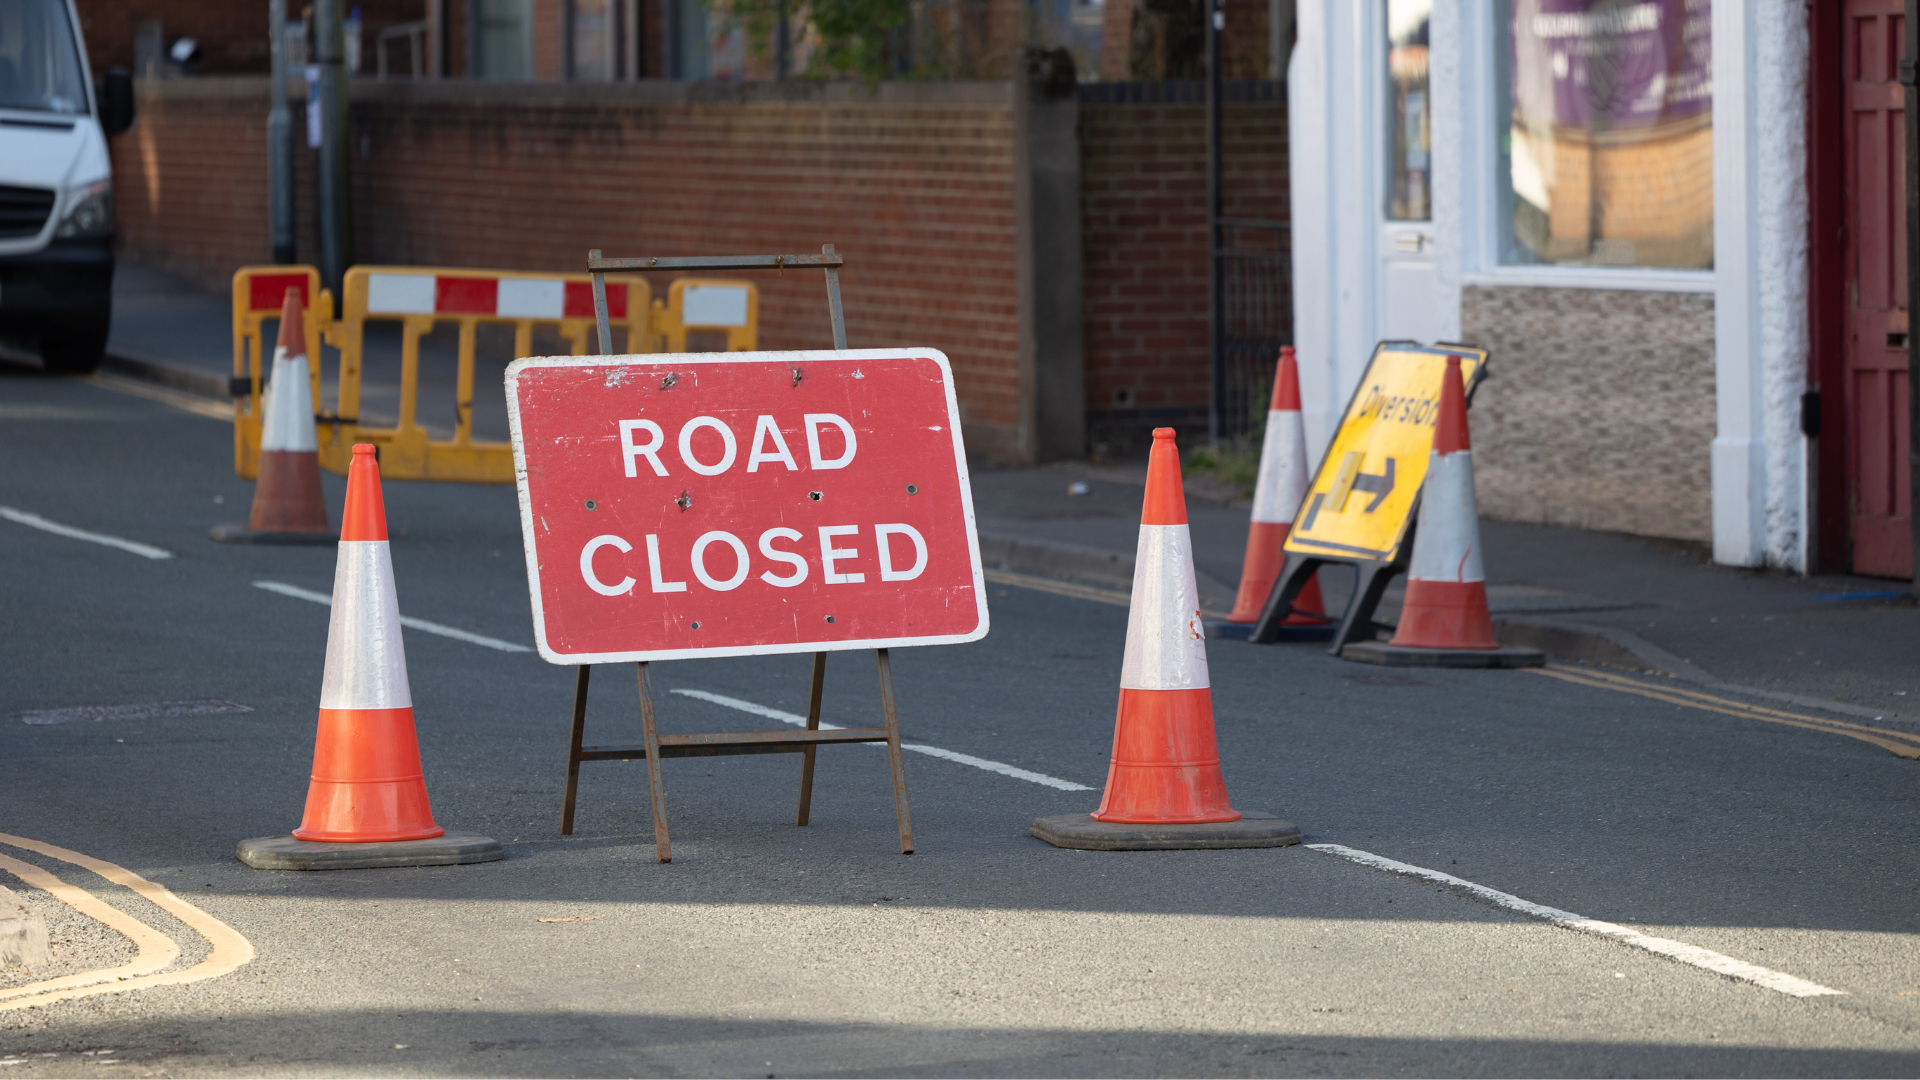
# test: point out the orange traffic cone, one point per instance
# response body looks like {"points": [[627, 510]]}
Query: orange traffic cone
{"points": [[287, 505], [1444, 620], [367, 789], [1282, 483], [1165, 770]]}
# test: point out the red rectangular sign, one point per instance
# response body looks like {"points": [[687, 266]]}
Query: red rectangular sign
{"points": [[728, 504]]}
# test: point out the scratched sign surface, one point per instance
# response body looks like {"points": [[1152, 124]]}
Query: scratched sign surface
{"points": [[1363, 495], [725, 504]]}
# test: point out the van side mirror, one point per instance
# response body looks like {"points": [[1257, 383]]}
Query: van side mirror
{"points": [[116, 101]]}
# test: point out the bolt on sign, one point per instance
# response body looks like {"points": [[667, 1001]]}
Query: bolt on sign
{"points": [[1363, 495], [728, 504]]}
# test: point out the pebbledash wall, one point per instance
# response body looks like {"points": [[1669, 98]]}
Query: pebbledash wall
{"points": [[1051, 242]]}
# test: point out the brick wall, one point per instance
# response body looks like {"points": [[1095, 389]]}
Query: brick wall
{"points": [[1144, 237], [913, 182]]}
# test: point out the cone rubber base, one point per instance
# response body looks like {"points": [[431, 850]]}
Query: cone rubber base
{"points": [[285, 853], [1253, 830], [1390, 655], [240, 534], [1243, 631]]}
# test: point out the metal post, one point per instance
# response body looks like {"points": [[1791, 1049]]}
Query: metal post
{"points": [[1216, 301], [782, 42], [335, 196], [600, 308], [833, 301], [279, 142], [1912, 121]]}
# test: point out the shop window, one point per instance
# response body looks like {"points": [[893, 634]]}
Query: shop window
{"points": [[1409, 126], [1606, 132]]}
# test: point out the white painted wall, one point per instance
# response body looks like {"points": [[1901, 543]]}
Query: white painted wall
{"points": [[1760, 509]]}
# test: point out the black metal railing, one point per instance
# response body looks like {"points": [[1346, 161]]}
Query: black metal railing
{"points": [[1253, 318]]}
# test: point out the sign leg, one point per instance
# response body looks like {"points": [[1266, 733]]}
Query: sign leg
{"points": [[813, 724], [1370, 584], [1293, 578], [573, 748], [651, 732], [894, 753]]}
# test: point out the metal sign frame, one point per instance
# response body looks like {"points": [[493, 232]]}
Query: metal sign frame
{"points": [[805, 742], [1371, 575]]}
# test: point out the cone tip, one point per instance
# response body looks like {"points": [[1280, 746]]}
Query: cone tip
{"points": [[1163, 433], [366, 449]]}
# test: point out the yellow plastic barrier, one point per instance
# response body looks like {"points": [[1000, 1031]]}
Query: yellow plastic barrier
{"points": [[419, 298], [258, 295], [732, 307]]}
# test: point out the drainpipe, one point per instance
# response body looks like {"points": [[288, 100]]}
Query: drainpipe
{"points": [[334, 187], [279, 142]]}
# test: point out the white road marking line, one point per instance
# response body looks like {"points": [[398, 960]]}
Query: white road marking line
{"points": [[405, 620], [931, 751], [35, 521], [1718, 963]]}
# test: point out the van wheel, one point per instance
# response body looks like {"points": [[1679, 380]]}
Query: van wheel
{"points": [[74, 354]]}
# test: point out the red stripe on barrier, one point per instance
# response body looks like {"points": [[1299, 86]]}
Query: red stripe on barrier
{"points": [[465, 296], [580, 300], [266, 292]]}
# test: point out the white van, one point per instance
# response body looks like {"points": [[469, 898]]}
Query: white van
{"points": [[56, 184]]}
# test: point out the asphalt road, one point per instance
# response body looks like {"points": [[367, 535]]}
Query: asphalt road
{"points": [[769, 950]]}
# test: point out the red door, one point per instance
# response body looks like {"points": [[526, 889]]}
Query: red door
{"points": [[1875, 384]]}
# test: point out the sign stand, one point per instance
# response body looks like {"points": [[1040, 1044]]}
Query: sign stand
{"points": [[1361, 508], [656, 746]]}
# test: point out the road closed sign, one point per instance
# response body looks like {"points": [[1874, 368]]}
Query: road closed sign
{"points": [[1363, 495], [727, 504]]}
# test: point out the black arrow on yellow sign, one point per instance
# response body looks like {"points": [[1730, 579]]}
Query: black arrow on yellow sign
{"points": [[1379, 485]]}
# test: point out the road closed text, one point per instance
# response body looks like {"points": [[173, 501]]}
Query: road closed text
{"points": [[720, 561]]}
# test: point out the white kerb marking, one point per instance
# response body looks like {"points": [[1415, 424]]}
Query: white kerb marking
{"points": [[1166, 647], [407, 621], [1283, 469], [35, 521], [931, 751], [713, 305], [400, 294], [531, 298], [289, 406], [1446, 545], [1693, 955]]}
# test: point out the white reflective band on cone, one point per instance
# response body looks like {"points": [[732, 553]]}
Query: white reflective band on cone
{"points": [[1446, 547], [1166, 647], [1283, 470], [366, 665], [288, 423]]}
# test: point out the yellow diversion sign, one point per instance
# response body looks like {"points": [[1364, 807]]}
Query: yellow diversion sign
{"points": [[1363, 495]]}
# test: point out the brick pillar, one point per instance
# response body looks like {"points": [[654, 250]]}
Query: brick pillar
{"points": [[1052, 354]]}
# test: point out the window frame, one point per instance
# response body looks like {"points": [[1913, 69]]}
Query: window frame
{"points": [[1481, 39]]}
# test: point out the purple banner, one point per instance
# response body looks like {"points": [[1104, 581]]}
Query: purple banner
{"points": [[1606, 65]]}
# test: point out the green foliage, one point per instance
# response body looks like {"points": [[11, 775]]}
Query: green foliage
{"points": [[853, 34], [1237, 464]]}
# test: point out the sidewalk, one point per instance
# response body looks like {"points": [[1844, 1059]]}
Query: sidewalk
{"points": [[1843, 643]]}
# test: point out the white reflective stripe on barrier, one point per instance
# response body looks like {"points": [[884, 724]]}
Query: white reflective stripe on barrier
{"points": [[1446, 546], [531, 298], [366, 663], [1166, 646], [288, 423], [713, 305], [1283, 470], [400, 294]]}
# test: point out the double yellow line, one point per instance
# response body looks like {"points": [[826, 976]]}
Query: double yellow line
{"points": [[1898, 742], [154, 950]]}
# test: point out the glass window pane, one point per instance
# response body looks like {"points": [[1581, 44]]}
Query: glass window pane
{"points": [[1409, 131], [39, 65], [1606, 157]]}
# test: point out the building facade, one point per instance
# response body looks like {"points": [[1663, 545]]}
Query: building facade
{"points": [[1695, 322]]}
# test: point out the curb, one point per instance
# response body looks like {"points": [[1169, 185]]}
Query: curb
{"points": [[203, 383]]}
